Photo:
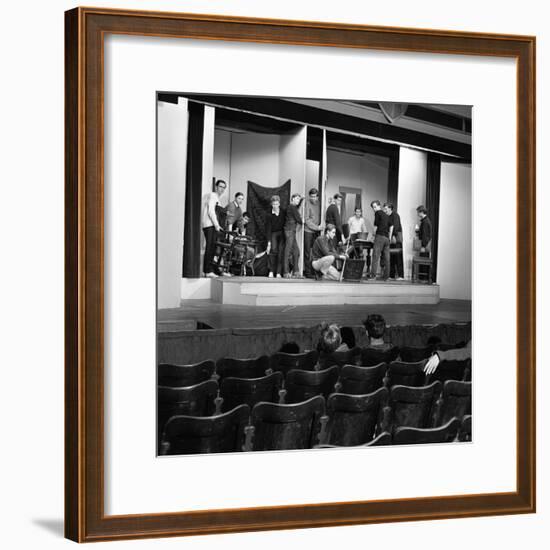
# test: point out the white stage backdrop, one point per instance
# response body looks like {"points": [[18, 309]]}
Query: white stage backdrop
{"points": [[135, 69]]}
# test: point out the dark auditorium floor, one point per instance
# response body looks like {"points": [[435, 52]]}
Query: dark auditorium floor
{"points": [[229, 316]]}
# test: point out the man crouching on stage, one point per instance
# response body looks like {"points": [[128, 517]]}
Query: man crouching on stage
{"points": [[323, 254]]}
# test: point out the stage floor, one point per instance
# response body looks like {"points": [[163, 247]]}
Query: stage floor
{"points": [[219, 315], [262, 291]]}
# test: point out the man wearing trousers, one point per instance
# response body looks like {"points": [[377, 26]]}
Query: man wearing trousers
{"points": [[381, 246]]}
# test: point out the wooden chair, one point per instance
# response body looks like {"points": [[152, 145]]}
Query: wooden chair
{"points": [[456, 401], [243, 368], [412, 436], [413, 355], [249, 391], [373, 356], [465, 431], [413, 406], [353, 419], [284, 427], [383, 439], [301, 385], [197, 400], [452, 370], [361, 380], [178, 376], [417, 273], [222, 433], [284, 362], [405, 374]]}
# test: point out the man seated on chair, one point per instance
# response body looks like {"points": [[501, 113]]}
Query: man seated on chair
{"points": [[324, 254]]}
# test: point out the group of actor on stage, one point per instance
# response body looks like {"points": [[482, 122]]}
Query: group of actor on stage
{"points": [[324, 243]]}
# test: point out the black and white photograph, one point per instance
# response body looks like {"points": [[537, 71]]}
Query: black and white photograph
{"points": [[313, 273]]}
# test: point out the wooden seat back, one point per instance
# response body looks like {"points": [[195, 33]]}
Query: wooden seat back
{"points": [[456, 401], [405, 374], [411, 436], [256, 367], [222, 433], [373, 356], [301, 385], [383, 439], [249, 391], [353, 419], [356, 380], [452, 370], [178, 376], [197, 400], [280, 427], [413, 355], [284, 362], [340, 358], [465, 431], [414, 406]]}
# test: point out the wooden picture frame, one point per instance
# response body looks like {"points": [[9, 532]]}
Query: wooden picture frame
{"points": [[85, 519]]}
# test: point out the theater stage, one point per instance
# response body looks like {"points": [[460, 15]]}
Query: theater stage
{"points": [[261, 291]]}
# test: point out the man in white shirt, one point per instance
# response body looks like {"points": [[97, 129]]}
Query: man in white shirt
{"points": [[357, 224], [211, 226]]}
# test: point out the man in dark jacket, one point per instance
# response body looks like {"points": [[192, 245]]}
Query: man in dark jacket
{"points": [[381, 241], [324, 254], [396, 242], [334, 216], [293, 219], [424, 231]]}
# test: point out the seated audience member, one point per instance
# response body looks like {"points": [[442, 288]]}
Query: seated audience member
{"points": [[375, 326], [290, 347], [324, 254], [459, 354], [348, 337], [330, 341]]}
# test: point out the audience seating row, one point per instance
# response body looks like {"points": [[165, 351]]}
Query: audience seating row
{"points": [[347, 420], [408, 373]]}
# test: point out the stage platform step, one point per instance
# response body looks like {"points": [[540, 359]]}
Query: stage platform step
{"points": [[261, 291]]}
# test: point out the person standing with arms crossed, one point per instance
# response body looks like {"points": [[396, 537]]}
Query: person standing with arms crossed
{"points": [[211, 226]]}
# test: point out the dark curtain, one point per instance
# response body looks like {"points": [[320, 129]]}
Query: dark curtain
{"points": [[258, 205], [433, 185], [193, 193], [393, 177]]}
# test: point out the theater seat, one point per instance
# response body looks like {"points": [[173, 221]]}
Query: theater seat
{"points": [[353, 419], [442, 434], [243, 368], [184, 375], [282, 427], [249, 391], [414, 406], [284, 362], [222, 433], [301, 385]]}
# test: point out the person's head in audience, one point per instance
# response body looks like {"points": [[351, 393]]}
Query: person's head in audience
{"points": [[313, 195], [220, 187], [239, 198], [348, 336], [330, 339], [275, 203], [375, 325], [338, 199], [422, 212], [434, 341], [388, 208], [330, 230], [358, 213], [375, 205], [296, 199], [290, 347]]}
